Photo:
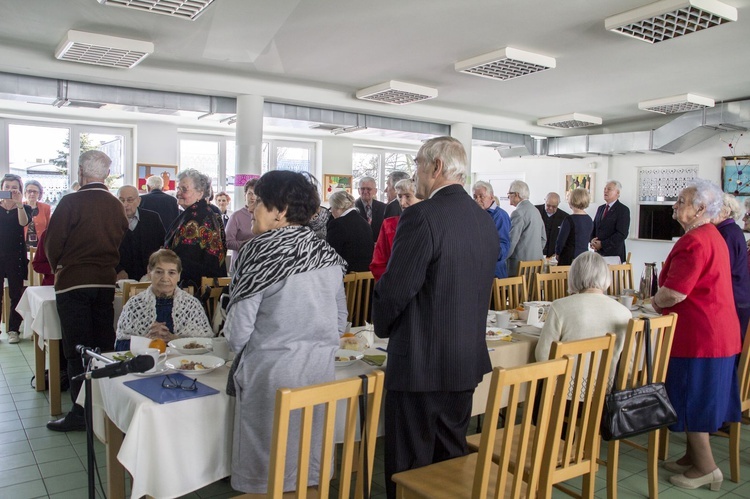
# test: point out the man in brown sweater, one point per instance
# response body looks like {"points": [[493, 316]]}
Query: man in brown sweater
{"points": [[82, 245]]}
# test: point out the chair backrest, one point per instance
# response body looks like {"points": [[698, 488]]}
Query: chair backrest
{"points": [[743, 373], [326, 395], [622, 278], [528, 269], [559, 268], [211, 290], [350, 290], [550, 287], [581, 440], [130, 289], [364, 287], [516, 443], [510, 292], [631, 370], [34, 278]]}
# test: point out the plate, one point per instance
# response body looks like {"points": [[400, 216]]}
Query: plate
{"points": [[496, 333], [347, 354], [180, 343], [160, 368], [209, 362]]}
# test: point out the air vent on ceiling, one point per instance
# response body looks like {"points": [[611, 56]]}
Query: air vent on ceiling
{"points": [[397, 92], [102, 50], [676, 104], [668, 19], [505, 64], [572, 120], [183, 9]]}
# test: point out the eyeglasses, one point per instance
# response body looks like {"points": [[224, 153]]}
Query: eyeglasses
{"points": [[32, 191], [187, 384], [512, 194]]}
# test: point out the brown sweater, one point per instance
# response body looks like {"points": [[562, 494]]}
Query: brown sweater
{"points": [[83, 238]]}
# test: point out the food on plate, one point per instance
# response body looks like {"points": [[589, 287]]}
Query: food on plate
{"points": [[350, 343], [160, 344], [345, 359], [490, 332], [347, 335], [193, 345], [188, 365]]}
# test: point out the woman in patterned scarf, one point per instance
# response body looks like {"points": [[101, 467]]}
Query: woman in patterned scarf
{"points": [[287, 309], [197, 235]]}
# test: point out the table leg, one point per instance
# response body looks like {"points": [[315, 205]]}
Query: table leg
{"points": [[39, 363], [55, 406], [115, 470]]}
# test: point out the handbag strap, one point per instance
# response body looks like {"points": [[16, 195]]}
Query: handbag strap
{"points": [[647, 339], [363, 435]]}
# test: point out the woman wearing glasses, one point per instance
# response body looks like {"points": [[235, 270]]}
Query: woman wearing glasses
{"points": [[40, 213], [13, 260]]}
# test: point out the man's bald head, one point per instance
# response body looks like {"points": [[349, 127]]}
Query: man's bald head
{"points": [[130, 199], [551, 202]]}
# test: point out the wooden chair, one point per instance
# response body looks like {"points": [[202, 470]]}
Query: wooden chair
{"points": [[743, 373], [327, 395], [559, 268], [509, 292], [211, 290], [622, 279], [550, 287], [475, 475], [528, 269], [350, 289], [364, 287], [130, 289], [6, 305], [33, 278], [632, 374]]}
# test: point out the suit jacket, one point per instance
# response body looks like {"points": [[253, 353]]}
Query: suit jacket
{"points": [[163, 204], [350, 235], [392, 209], [612, 230], [138, 245], [432, 300], [527, 236], [551, 228], [378, 214]]}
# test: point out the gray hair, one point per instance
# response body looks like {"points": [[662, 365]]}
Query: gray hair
{"points": [[398, 175], [521, 188], [367, 179], [451, 152], [37, 184], [616, 183], [341, 200], [201, 182], [405, 185], [588, 271], [730, 202], [481, 184], [155, 182], [552, 195], [707, 194], [94, 164]]}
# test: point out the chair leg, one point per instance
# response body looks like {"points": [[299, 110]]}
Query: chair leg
{"points": [[653, 465], [613, 462], [589, 483], [734, 450], [663, 444]]}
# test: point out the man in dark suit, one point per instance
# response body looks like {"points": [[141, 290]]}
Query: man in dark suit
{"points": [[393, 208], [145, 236], [611, 223], [160, 202], [370, 208], [553, 217], [432, 304]]}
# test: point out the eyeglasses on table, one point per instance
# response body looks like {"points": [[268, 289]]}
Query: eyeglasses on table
{"points": [[186, 384]]}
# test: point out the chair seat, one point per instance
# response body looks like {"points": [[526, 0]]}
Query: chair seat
{"points": [[473, 443]]}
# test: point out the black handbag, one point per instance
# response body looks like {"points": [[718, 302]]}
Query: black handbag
{"points": [[628, 413]]}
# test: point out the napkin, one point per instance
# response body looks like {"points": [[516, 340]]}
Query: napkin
{"points": [[374, 360]]}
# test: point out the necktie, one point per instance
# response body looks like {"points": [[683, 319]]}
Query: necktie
{"points": [[368, 212], [606, 210]]}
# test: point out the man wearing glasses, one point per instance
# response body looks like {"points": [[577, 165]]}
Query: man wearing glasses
{"points": [[553, 217], [527, 235], [370, 208]]}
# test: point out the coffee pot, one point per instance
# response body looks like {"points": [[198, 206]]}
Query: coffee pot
{"points": [[649, 281]]}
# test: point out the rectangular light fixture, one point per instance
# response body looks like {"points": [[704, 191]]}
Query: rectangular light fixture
{"points": [[102, 50], [676, 104], [397, 92], [668, 19], [505, 64], [350, 129], [572, 120], [182, 9]]}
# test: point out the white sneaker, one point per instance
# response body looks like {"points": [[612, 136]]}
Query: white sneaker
{"points": [[13, 337]]}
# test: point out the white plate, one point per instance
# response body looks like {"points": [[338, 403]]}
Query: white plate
{"points": [[209, 362], [347, 353], [179, 345], [496, 333], [160, 368]]}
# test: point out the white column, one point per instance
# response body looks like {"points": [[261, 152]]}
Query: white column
{"points": [[249, 136], [462, 132]]}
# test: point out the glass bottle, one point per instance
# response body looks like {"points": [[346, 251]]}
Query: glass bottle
{"points": [[649, 281]]}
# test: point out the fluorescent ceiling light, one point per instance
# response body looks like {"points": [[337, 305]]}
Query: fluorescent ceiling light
{"points": [[350, 129], [676, 104], [572, 120], [668, 19], [397, 92], [505, 64], [183, 9], [102, 50]]}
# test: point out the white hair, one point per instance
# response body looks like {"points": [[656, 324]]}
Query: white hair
{"points": [[201, 182], [521, 188], [341, 200], [707, 194], [451, 152], [367, 179], [481, 184], [94, 165], [616, 183], [155, 182], [405, 185], [588, 271]]}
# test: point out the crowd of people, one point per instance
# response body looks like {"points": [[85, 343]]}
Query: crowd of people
{"points": [[434, 252]]}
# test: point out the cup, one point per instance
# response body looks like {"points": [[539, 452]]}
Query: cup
{"points": [[154, 354], [626, 300], [537, 315], [502, 319], [220, 347]]}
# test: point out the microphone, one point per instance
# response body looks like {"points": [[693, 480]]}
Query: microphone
{"points": [[139, 364]]}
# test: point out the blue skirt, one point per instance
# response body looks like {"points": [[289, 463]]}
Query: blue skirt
{"points": [[704, 392]]}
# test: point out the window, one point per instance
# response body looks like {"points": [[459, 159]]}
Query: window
{"points": [[211, 155], [378, 164], [288, 155]]}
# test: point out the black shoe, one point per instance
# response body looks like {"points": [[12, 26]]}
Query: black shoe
{"points": [[71, 422]]}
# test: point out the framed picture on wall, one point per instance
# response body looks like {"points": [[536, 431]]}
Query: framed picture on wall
{"points": [[576, 180], [168, 174], [735, 175], [334, 183]]}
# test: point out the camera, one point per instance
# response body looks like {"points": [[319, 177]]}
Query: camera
{"points": [[6, 194]]}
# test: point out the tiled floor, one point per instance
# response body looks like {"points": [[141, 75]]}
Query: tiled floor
{"points": [[37, 462]]}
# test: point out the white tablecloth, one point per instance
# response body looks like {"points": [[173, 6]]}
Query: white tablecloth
{"points": [[39, 311]]}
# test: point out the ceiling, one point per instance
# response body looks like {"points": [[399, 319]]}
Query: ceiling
{"points": [[320, 52]]}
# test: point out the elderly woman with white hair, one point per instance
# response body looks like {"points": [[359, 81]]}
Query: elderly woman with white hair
{"points": [[348, 233], [732, 234], [696, 283]]}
